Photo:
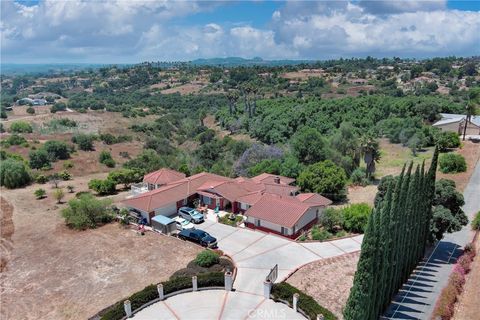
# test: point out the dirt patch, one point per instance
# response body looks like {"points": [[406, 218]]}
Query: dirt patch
{"points": [[57, 273], [328, 281], [467, 306], [6, 232], [185, 89], [358, 194]]}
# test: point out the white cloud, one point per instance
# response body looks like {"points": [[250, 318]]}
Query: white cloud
{"points": [[132, 31]]}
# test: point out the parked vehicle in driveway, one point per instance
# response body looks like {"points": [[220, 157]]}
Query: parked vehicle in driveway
{"points": [[199, 236], [183, 223], [190, 214]]}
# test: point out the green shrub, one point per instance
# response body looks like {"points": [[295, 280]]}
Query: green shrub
{"points": [[284, 291], [207, 258], [14, 140], [447, 140], [359, 177], [40, 193], [320, 234], [30, 110], [39, 159], [21, 127], [84, 141], [42, 179], [87, 212], [331, 219], [58, 150], [13, 174], [106, 158], [356, 217], [102, 187], [452, 163], [476, 222], [65, 175]]}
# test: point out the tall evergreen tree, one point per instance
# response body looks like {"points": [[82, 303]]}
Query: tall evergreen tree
{"points": [[394, 242], [358, 305]]}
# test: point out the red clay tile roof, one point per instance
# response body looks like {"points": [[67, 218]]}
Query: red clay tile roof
{"points": [[270, 178], [172, 192], [283, 211], [251, 198], [280, 189], [163, 176], [314, 199], [230, 190]]}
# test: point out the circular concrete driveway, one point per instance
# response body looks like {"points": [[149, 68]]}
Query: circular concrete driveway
{"points": [[217, 304], [254, 254]]}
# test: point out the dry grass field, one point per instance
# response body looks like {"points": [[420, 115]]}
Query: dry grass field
{"points": [[328, 281], [52, 272]]}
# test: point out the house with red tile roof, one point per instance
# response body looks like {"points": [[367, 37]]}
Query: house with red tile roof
{"points": [[285, 215], [269, 202]]}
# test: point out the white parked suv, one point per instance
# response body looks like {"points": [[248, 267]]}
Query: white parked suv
{"points": [[183, 223]]}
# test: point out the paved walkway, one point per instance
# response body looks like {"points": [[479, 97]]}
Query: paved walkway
{"points": [[254, 253], [417, 298]]}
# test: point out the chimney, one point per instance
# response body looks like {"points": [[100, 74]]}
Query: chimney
{"points": [[276, 180]]}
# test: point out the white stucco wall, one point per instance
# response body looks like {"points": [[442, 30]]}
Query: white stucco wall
{"points": [[308, 217]]}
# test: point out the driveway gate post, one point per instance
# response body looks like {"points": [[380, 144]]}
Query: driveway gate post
{"points": [[160, 291], [228, 281], [194, 283], [295, 301], [127, 306], [267, 287]]}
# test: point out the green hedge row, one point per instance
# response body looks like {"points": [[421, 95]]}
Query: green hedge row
{"points": [[149, 293], [284, 291]]}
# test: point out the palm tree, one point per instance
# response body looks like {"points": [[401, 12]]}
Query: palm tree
{"points": [[371, 153]]}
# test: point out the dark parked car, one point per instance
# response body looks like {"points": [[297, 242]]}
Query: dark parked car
{"points": [[190, 214], [199, 236]]}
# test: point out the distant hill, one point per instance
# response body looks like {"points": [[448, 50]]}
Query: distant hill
{"points": [[237, 61], [49, 68]]}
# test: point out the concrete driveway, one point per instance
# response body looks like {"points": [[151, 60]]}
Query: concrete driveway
{"points": [[254, 253]]}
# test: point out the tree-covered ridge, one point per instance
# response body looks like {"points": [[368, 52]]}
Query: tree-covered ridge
{"points": [[276, 120]]}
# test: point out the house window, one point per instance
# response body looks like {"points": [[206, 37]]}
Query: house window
{"points": [[284, 231], [218, 202], [207, 200], [257, 222], [185, 202]]}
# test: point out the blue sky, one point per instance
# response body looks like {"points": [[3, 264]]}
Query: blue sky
{"points": [[120, 31]]}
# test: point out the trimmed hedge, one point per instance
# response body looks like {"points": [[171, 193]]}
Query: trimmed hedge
{"points": [[149, 293], [284, 291]]}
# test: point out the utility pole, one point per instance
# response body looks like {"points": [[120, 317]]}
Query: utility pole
{"points": [[467, 118]]}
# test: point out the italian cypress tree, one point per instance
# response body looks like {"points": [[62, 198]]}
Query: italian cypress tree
{"points": [[393, 249], [384, 266], [358, 304], [399, 216], [394, 242]]}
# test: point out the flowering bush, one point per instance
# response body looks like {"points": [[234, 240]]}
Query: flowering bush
{"points": [[444, 307]]}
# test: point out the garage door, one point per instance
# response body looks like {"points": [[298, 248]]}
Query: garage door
{"points": [[167, 210]]}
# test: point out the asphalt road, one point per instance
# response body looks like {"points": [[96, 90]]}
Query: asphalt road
{"points": [[417, 297]]}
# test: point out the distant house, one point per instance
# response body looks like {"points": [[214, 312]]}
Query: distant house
{"points": [[168, 190], [456, 123]]}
